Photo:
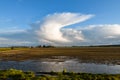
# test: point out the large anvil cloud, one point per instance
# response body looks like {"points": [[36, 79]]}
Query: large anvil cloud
{"points": [[50, 28]]}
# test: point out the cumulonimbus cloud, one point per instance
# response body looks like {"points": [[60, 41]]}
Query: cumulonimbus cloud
{"points": [[51, 28]]}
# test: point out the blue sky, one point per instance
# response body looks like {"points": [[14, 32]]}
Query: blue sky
{"points": [[17, 16]]}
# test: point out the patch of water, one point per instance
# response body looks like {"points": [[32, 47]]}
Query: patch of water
{"points": [[59, 64]]}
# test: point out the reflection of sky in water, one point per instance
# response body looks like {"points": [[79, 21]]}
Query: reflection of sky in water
{"points": [[71, 65]]}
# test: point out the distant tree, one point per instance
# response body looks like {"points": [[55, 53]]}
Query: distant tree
{"points": [[64, 71], [44, 46], [50, 46], [31, 47], [39, 46], [12, 48]]}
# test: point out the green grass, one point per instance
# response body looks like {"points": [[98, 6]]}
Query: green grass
{"points": [[14, 74]]}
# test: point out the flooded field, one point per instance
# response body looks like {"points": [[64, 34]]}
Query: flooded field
{"points": [[84, 59], [59, 63]]}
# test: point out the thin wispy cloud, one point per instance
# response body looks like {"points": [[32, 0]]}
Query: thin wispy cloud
{"points": [[12, 31], [13, 42]]}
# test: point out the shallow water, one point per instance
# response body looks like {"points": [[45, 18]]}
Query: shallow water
{"points": [[58, 64]]}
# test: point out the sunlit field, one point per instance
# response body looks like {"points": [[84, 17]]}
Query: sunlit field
{"points": [[5, 49], [97, 54], [86, 54], [59, 40]]}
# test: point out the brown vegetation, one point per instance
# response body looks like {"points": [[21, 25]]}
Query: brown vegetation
{"points": [[106, 54]]}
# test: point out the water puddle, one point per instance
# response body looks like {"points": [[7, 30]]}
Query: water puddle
{"points": [[58, 64]]}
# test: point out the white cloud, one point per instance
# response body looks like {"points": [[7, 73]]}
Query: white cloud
{"points": [[3, 39], [12, 42], [51, 31], [12, 30], [72, 34], [51, 28], [102, 34], [103, 30]]}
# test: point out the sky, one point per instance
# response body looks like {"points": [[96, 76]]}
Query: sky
{"points": [[59, 22]]}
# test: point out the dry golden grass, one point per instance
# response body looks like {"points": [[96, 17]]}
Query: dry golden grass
{"points": [[84, 53]]}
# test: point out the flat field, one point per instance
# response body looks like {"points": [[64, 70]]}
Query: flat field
{"points": [[94, 54]]}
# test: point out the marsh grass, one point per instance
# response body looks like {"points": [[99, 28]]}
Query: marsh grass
{"points": [[14, 74], [86, 54], [5, 49]]}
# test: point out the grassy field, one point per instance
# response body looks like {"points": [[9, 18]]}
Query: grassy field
{"points": [[13, 74], [9, 49], [4, 49], [98, 54]]}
